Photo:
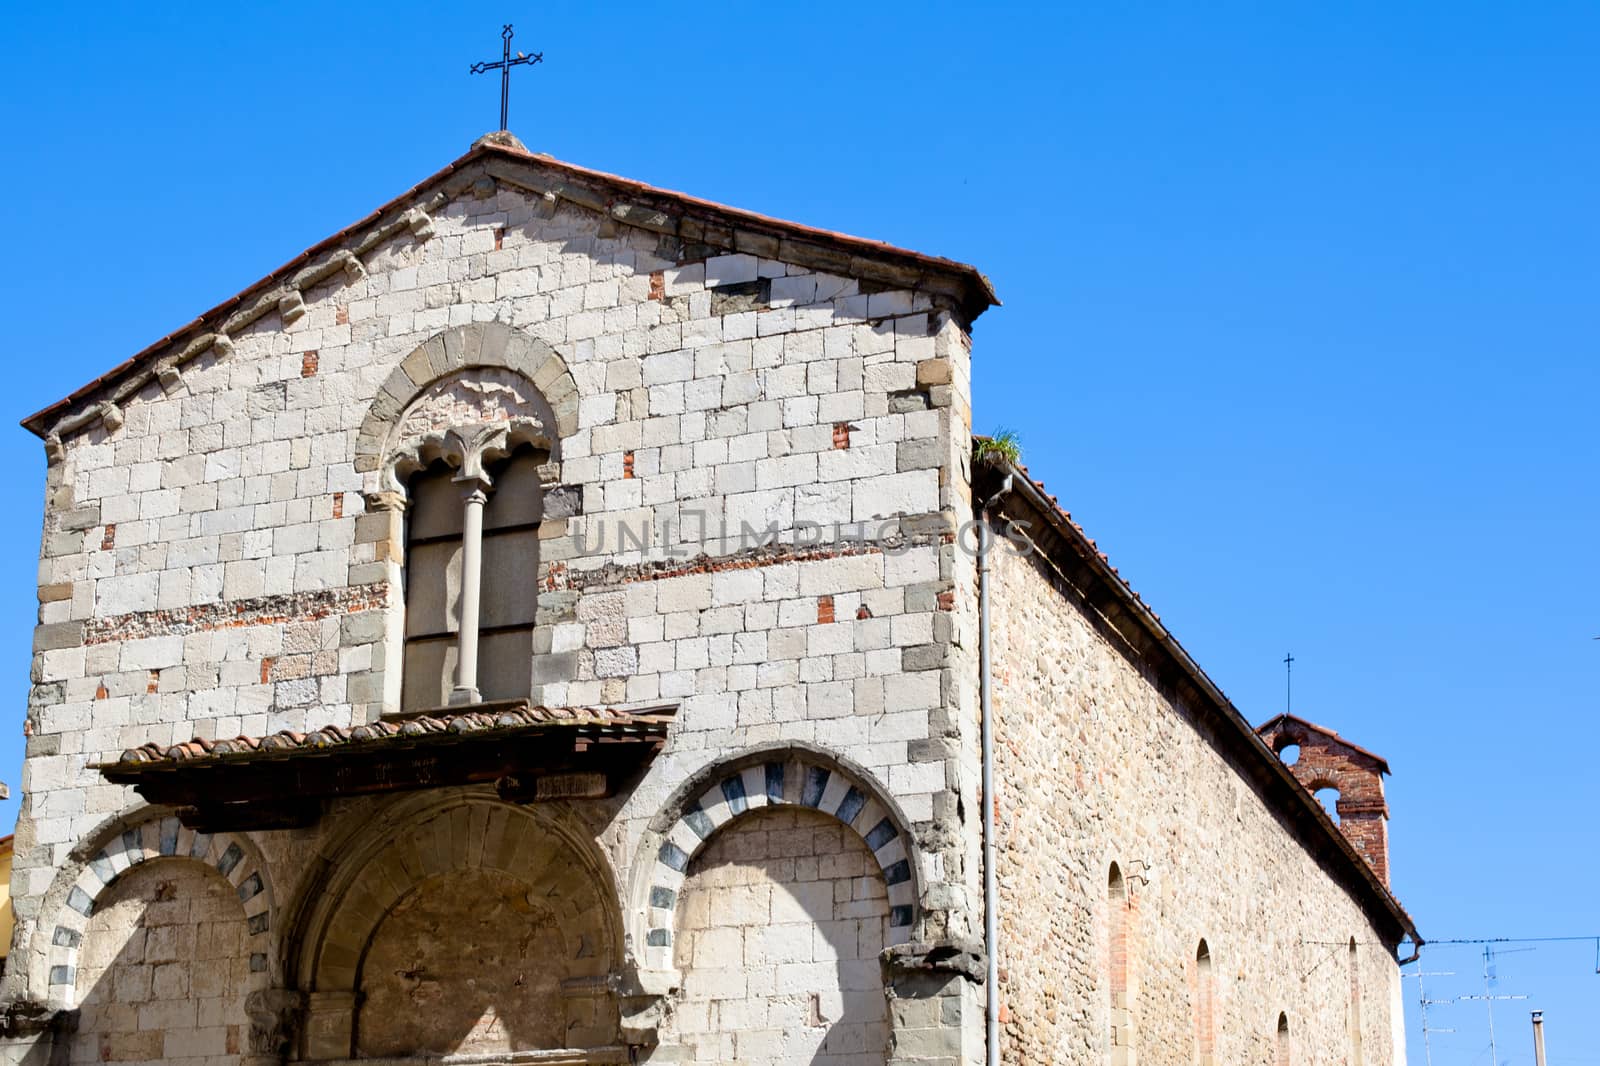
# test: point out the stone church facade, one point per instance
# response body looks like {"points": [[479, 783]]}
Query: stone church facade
{"points": [[541, 623]]}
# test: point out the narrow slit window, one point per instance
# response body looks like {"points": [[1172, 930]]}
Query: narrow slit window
{"points": [[1205, 1019], [1121, 1020], [1355, 1005]]}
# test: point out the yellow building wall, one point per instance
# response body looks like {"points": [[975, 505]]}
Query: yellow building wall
{"points": [[7, 919]]}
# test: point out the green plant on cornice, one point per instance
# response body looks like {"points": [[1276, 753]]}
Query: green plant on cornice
{"points": [[1001, 446]]}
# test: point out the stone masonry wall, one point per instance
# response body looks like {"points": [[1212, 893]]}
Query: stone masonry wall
{"points": [[1096, 767], [760, 467], [216, 562], [464, 965], [783, 918], [164, 970]]}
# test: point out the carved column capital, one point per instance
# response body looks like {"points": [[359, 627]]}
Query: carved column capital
{"points": [[477, 447], [385, 501], [276, 1015], [644, 998], [469, 448]]}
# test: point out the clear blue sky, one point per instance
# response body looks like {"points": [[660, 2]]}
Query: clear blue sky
{"points": [[1300, 319]]}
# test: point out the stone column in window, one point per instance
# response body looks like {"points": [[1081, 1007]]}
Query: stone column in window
{"points": [[476, 487], [473, 449]]}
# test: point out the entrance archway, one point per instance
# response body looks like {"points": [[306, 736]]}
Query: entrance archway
{"points": [[468, 927]]}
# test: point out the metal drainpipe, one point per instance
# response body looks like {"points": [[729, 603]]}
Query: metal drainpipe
{"points": [[991, 935]]}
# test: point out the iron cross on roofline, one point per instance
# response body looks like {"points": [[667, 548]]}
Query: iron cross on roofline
{"points": [[504, 67]]}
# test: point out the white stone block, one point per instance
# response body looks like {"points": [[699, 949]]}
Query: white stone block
{"points": [[800, 289], [912, 492], [680, 281], [736, 586], [127, 593], [730, 270], [760, 510], [152, 653], [843, 574]]}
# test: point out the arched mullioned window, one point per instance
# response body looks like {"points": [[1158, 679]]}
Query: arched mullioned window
{"points": [[1205, 1018], [1120, 1022], [1355, 1005], [1281, 1052], [436, 523], [465, 399]]}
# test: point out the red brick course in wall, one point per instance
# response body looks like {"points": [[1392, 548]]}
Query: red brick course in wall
{"points": [[559, 576], [312, 606], [260, 610]]}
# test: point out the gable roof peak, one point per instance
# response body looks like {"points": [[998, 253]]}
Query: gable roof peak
{"points": [[1293, 723], [501, 139], [703, 228]]}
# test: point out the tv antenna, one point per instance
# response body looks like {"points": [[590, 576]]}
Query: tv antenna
{"points": [[1422, 998], [1489, 997]]}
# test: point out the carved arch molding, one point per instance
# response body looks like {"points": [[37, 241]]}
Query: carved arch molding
{"points": [[803, 778], [502, 907], [232, 855], [487, 373], [130, 844]]}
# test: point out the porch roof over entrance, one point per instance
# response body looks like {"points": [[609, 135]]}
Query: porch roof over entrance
{"points": [[278, 781]]}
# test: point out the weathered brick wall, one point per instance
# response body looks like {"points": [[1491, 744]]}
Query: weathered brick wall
{"points": [[164, 970], [1096, 767], [782, 920], [1326, 761]]}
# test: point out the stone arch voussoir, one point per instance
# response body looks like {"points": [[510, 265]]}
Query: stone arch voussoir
{"points": [[784, 776], [124, 846], [403, 846], [482, 344], [457, 833]]}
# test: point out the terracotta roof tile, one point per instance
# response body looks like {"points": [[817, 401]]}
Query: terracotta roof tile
{"points": [[478, 719], [1085, 545]]}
